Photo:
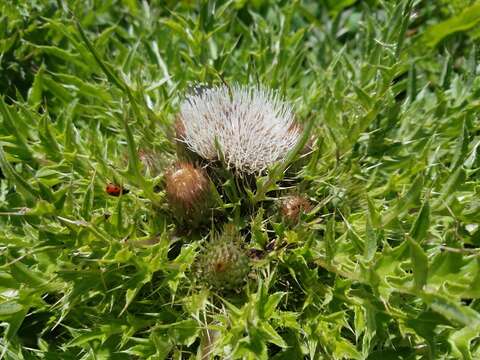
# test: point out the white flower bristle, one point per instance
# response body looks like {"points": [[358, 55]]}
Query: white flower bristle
{"points": [[253, 126]]}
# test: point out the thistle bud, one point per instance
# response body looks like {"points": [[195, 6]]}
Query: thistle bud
{"points": [[223, 263], [183, 152], [150, 162], [179, 129], [293, 206], [188, 192]]}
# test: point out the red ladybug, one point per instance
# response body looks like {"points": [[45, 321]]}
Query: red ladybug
{"points": [[115, 190]]}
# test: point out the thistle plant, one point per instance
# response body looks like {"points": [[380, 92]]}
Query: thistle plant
{"points": [[247, 128], [389, 267]]}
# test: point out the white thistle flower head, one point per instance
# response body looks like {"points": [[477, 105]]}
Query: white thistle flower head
{"points": [[253, 127]]}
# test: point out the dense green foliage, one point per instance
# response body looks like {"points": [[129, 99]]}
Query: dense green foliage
{"points": [[385, 266]]}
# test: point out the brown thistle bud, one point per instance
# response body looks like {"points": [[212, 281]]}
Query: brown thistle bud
{"points": [[179, 129], [183, 152], [222, 263], [150, 162], [188, 191], [293, 206], [150, 159]]}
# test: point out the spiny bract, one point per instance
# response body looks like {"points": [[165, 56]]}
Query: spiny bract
{"points": [[253, 127]]}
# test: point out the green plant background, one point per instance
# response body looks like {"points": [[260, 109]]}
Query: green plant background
{"points": [[386, 266]]}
